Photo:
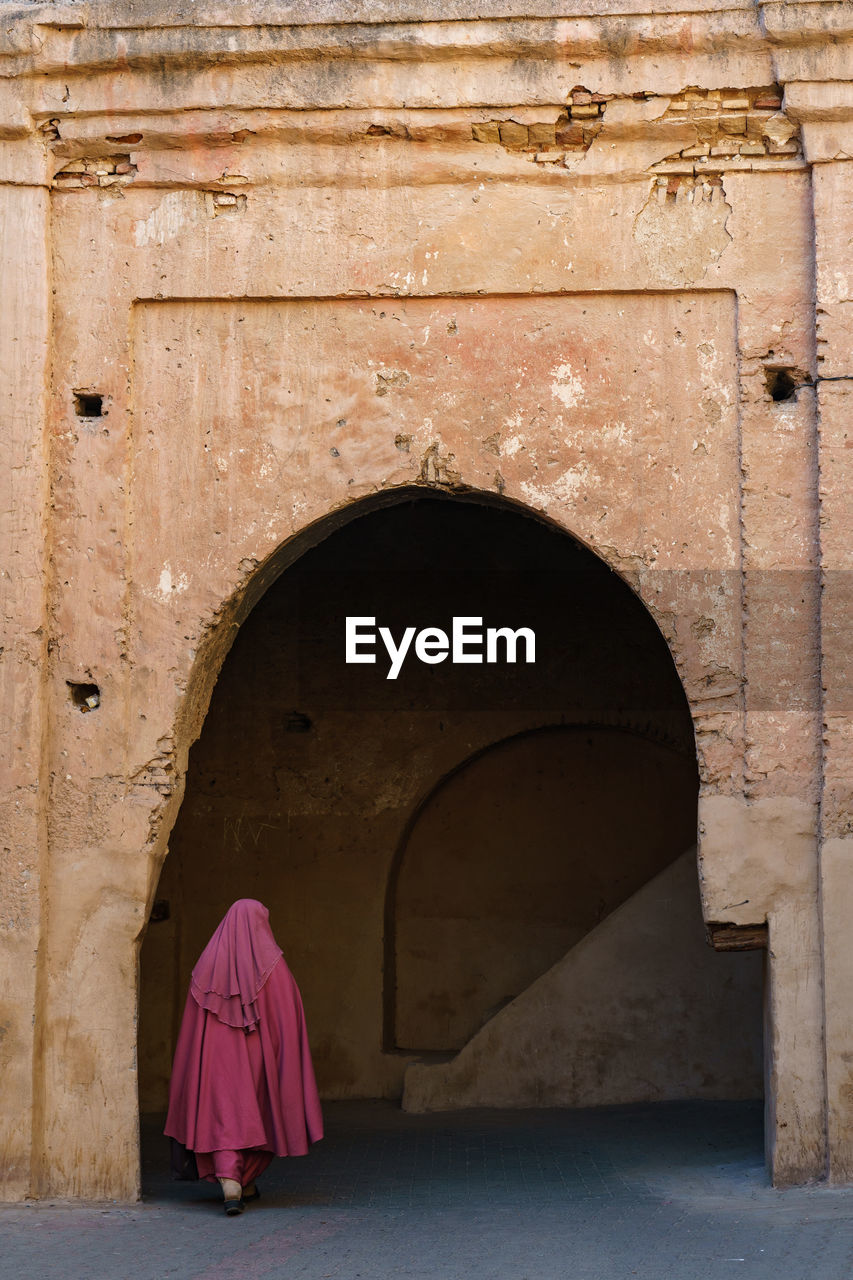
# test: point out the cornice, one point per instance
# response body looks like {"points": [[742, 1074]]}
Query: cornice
{"points": [[85, 40], [64, 60], [40, 38], [129, 14]]}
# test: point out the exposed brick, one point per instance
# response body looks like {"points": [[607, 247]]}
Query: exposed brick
{"points": [[513, 134], [542, 135], [569, 135], [778, 128], [103, 171], [488, 132], [225, 203], [681, 167]]}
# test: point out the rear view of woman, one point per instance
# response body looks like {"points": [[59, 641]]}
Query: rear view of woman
{"points": [[243, 1087]]}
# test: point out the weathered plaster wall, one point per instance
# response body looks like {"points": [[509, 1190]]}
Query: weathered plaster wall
{"points": [[255, 197]]}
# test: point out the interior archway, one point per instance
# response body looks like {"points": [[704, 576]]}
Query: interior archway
{"points": [[309, 771], [513, 859]]}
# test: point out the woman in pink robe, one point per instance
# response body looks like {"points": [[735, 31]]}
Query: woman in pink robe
{"points": [[243, 1087]]}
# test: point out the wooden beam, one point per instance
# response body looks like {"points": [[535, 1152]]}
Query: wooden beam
{"points": [[736, 937]]}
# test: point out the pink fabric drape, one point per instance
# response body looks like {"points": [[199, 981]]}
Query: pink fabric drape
{"points": [[236, 963], [243, 1166], [242, 1077]]}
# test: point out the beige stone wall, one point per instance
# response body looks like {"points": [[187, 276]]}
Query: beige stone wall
{"points": [[303, 265]]}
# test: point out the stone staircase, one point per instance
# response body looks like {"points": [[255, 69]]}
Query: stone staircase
{"points": [[640, 1010]]}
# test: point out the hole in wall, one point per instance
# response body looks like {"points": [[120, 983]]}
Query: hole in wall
{"points": [[88, 404], [85, 696], [297, 722], [783, 383], [124, 137]]}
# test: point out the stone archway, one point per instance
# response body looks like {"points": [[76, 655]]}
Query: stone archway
{"points": [[306, 773]]}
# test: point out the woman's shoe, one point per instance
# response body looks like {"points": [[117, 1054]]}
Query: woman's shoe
{"points": [[233, 1207], [254, 1194]]}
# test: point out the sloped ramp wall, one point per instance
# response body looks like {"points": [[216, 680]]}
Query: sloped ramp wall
{"points": [[640, 1010]]}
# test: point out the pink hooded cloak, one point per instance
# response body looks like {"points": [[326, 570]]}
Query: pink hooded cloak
{"points": [[242, 1081]]}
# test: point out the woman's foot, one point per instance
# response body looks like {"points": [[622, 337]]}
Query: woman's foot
{"points": [[251, 1192], [232, 1194]]}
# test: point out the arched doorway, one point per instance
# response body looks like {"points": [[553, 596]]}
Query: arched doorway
{"points": [[309, 771]]}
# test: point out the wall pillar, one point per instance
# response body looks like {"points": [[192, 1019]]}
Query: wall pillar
{"points": [[24, 268], [757, 862], [827, 115]]}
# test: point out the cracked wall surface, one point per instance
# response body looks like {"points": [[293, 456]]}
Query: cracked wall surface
{"points": [[591, 262]]}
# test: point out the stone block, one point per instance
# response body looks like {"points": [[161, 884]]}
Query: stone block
{"points": [[513, 134]]}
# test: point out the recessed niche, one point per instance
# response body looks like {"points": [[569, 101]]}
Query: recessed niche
{"points": [[85, 696], [88, 404], [782, 383]]}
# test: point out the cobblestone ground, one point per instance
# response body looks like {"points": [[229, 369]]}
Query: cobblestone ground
{"points": [[669, 1192]]}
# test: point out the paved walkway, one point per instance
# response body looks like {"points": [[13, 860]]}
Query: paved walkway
{"points": [[672, 1192]]}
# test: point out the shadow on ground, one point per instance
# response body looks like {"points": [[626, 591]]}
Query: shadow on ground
{"points": [[376, 1155]]}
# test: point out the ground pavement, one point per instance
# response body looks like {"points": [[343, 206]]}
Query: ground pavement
{"points": [[670, 1192]]}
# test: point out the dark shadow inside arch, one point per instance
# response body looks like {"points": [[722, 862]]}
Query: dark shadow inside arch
{"points": [[527, 846], [364, 810]]}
